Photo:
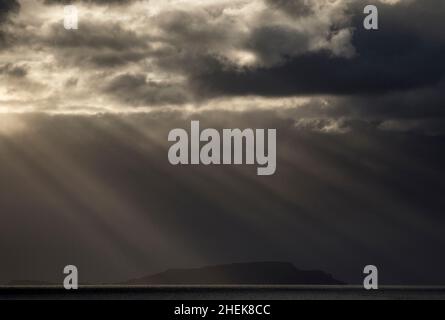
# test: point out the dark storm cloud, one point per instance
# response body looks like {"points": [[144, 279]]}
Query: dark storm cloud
{"points": [[7, 7], [195, 32], [96, 35], [195, 54], [179, 42], [270, 37], [99, 2], [401, 55], [98, 45], [13, 71], [135, 89], [293, 7], [272, 43], [113, 59]]}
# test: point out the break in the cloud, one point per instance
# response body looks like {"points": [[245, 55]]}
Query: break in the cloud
{"points": [[139, 55]]}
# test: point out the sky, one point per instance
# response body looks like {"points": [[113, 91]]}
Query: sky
{"points": [[85, 115]]}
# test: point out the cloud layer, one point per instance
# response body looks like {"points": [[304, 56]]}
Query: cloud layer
{"points": [[140, 55]]}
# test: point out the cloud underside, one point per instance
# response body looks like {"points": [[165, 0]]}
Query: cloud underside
{"points": [[316, 59]]}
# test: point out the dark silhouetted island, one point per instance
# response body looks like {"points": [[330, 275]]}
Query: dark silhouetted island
{"points": [[259, 273]]}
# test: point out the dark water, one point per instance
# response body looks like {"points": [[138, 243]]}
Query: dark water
{"points": [[224, 292]]}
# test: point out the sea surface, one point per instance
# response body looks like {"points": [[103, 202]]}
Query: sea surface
{"points": [[223, 293]]}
